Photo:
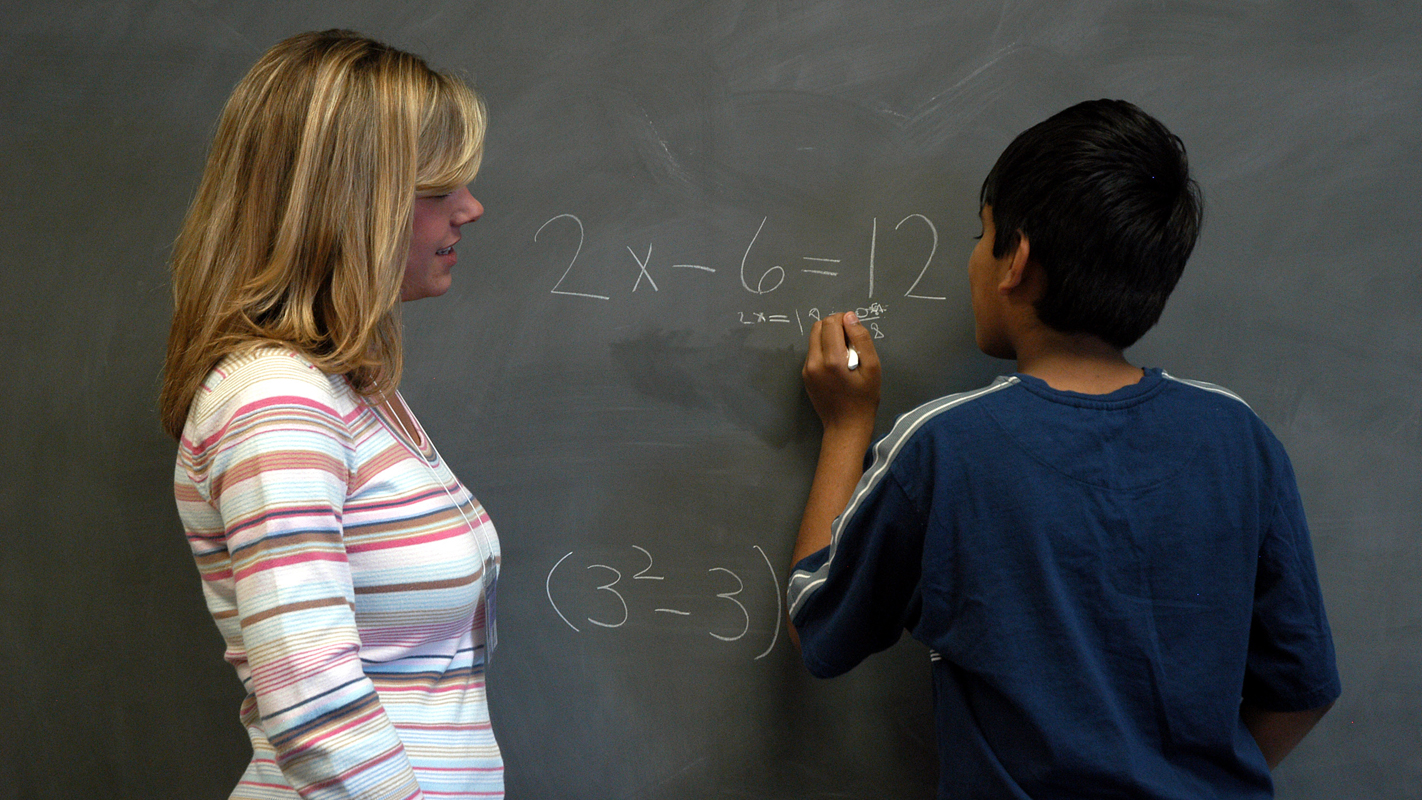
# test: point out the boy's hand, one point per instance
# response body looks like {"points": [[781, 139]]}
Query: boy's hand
{"points": [[845, 399]]}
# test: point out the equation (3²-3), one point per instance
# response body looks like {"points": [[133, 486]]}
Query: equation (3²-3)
{"points": [[731, 624]]}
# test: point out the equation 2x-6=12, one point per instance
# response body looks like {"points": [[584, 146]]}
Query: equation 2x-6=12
{"points": [[769, 279]]}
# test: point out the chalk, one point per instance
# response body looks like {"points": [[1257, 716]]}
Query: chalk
{"points": [[853, 359]]}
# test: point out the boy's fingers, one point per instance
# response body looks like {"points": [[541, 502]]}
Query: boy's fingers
{"points": [[815, 339], [860, 338], [857, 334], [815, 357], [832, 338]]}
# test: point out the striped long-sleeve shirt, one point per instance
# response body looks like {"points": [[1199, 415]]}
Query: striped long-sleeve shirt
{"points": [[346, 569]]}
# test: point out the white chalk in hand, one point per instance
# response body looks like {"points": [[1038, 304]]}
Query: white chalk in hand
{"points": [[853, 359]]}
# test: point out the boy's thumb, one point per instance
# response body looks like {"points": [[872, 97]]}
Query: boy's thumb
{"points": [[855, 332]]}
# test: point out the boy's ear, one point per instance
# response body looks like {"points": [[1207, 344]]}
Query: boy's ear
{"points": [[1016, 264]]}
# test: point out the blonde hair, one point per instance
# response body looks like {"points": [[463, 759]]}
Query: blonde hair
{"points": [[300, 228]]}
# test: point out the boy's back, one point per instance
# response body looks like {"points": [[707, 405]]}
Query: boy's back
{"points": [[1085, 571], [1111, 565]]}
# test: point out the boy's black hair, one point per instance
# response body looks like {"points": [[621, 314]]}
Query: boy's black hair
{"points": [[1103, 193]]}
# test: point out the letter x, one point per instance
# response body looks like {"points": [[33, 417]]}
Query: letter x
{"points": [[642, 265]]}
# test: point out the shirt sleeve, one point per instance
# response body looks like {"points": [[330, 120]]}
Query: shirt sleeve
{"points": [[278, 478], [856, 596], [1291, 664]]}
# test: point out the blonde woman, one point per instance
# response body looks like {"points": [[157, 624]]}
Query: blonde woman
{"points": [[349, 571]]}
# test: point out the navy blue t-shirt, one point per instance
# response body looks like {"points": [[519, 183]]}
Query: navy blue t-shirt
{"points": [[1101, 580]]}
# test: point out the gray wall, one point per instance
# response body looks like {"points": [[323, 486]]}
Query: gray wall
{"points": [[656, 418]]}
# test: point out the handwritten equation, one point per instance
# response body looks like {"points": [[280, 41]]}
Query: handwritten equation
{"points": [[730, 621], [868, 315], [755, 278]]}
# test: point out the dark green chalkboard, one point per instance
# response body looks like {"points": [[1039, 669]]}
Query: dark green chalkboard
{"points": [[673, 190]]}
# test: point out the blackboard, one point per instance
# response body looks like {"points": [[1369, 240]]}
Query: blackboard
{"points": [[673, 190]]}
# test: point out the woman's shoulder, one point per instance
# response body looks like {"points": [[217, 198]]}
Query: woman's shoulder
{"points": [[271, 367], [266, 378]]}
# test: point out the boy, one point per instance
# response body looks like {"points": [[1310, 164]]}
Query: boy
{"points": [[1109, 565]]}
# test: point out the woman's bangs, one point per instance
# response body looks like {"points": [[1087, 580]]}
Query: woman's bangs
{"points": [[452, 139]]}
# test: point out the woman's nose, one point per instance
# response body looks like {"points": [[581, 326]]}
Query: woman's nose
{"points": [[469, 208]]}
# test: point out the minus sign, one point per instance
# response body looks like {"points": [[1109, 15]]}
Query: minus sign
{"points": [[673, 611], [693, 266]]}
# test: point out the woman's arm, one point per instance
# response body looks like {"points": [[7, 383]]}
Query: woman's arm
{"points": [[278, 478]]}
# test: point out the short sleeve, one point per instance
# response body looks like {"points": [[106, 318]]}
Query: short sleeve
{"points": [[1291, 664], [856, 596], [275, 468]]}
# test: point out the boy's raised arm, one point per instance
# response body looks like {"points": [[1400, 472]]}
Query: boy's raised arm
{"points": [[846, 401]]}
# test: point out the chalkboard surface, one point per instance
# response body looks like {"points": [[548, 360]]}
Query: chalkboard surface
{"points": [[674, 191]]}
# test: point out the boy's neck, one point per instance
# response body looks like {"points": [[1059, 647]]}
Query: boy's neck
{"points": [[1075, 362]]}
